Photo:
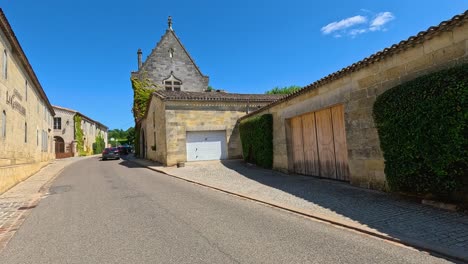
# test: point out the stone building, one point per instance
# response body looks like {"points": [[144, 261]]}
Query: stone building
{"points": [[194, 126], [170, 66], [183, 121], [65, 132], [327, 129], [26, 115]]}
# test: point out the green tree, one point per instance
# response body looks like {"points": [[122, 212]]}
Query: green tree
{"points": [[130, 135], [284, 90], [116, 134], [119, 136]]}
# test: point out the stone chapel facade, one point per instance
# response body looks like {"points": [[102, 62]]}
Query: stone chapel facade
{"points": [[170, 66]]}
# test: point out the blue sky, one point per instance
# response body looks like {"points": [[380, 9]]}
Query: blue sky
{"points": [[83, 51]]}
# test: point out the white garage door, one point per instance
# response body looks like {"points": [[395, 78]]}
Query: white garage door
{"points": [[206, 145]]}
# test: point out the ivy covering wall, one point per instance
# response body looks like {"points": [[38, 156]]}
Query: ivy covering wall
{"points": [[79, 135], [99, 145], [142, 90], [256, 135], [422, 126]]}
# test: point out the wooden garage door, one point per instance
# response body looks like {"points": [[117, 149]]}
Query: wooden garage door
{"points": [[326, 148], [310, 145], [318, 143], [339, 138], [297, 145]]}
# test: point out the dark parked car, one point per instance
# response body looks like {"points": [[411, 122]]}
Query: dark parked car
{"points": [[123, 150], [110, 153]]}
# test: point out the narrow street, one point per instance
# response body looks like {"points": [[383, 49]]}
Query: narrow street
{"points": [[116, 212]]}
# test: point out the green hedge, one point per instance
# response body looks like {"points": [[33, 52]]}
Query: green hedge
{"points": [[256, 134], [422, 126]]}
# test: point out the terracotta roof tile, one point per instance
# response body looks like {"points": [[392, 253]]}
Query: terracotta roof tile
{"points": [[215, 96]]}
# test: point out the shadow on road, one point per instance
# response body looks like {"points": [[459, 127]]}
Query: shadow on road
{"points": [[401, 219], [125, 162]]}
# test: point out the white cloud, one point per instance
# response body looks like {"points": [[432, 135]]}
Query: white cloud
{"points": [[357, 31], [353, 26], [343, 24], [380, 20]]}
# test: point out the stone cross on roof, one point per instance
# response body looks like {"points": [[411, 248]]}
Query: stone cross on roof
{"points": [[169, 22]]}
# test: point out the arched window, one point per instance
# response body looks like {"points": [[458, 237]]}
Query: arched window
{"points": [[25, 132], [5, 64], [26, 89], [172, 83], [3, 124]]}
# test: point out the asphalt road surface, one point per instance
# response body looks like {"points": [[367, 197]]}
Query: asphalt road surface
{"points": [[116, 212]]}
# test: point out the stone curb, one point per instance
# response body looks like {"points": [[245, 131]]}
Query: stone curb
{"points": [[433, 250]]}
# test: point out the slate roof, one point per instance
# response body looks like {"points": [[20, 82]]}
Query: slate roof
{"points": [[185, 50], [215, 96], [18, 50], [387, 52], [171, 31]]}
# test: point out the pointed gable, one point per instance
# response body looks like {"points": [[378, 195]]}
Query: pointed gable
{"points": [[170, 58]]}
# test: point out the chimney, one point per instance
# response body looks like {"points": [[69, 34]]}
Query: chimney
{"points": [[139, 58]]}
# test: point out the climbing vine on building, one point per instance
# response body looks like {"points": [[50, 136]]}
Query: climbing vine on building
{"points": [[78, 134], [99, 144], [142, 90]]}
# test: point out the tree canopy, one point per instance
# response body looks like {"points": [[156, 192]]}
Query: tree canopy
{"points": [[122, 136]]}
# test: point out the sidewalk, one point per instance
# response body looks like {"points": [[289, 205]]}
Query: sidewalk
{"points": [[368, 211], [16, 203]]}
